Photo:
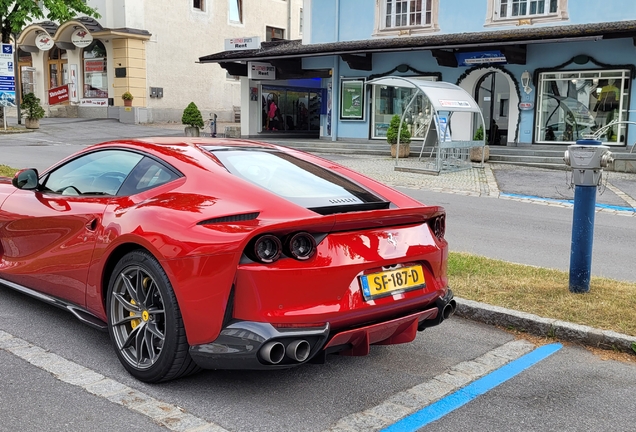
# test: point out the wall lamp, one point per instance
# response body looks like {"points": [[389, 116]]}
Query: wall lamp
{"points": [[525, 82]]}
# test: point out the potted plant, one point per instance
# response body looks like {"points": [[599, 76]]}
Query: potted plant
{"points": [[192, 119], [475, 152], [392, 138], [32, 111], [128, 98]]}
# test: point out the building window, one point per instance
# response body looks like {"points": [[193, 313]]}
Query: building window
{"points": [[198, 5], [236, 11], [95, 77], [404, 17], [573, 104], [273, 33], [524, 12], [389, 101]]}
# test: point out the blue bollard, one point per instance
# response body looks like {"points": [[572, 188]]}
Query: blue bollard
{"points": [[586, 162], [582, 237]]}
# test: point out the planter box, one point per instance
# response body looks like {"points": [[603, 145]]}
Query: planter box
{"points": [[405, 149], [475, 154], [191, 131], [32, 123]]}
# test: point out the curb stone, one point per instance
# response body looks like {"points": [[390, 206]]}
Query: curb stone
{"points": [[539, 326]]}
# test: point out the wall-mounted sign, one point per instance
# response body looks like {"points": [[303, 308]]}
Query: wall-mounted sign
{"points": [[481, 57], [246, 43], [526, 106], [261, 71], [7, 76], [94, 102], [454, 103], [44, 41], [58, 94], [352, 99], [81, 38], [96, 65]]}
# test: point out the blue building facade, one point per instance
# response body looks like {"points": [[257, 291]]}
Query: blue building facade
{"points": [[542, 71]]}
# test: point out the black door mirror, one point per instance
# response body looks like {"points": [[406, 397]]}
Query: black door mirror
{"points": [[26, 179]]}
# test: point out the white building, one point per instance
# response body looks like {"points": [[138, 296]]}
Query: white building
{"points": [[149, 48]]}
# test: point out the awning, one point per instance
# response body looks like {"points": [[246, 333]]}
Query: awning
{"points": [[443, 96]]}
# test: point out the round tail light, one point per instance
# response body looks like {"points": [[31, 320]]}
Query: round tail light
{"points": [[301, 246], [267, 249]]}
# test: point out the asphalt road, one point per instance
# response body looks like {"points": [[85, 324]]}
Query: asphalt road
{"points": [[528, 233]]}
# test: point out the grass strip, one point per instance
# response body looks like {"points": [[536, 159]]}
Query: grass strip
{"points": [[609, 305]]}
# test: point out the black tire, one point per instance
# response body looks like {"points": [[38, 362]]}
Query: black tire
{"points": [[144, 321]]}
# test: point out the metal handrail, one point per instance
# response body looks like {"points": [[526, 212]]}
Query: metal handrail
{"points": [[599, 132]]}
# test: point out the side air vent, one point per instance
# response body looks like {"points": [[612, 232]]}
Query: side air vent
{"points": [[231, 218]]}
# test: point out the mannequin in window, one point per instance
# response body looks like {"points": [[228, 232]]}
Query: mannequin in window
{"points": [[608, 98]]}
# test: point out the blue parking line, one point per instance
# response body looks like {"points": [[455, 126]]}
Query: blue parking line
{"points": [[567, 201], [464, 395]]}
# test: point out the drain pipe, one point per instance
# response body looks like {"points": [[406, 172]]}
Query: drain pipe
{"points": [[335, 80]]}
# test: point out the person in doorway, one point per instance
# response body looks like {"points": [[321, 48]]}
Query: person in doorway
{"points": [[271, 114]]}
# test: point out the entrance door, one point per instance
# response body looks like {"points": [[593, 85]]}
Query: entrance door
{"points": [[287, 109], [493, 96], [58, 67]]}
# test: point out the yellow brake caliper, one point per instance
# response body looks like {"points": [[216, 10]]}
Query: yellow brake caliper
{"points": [[134, 323], [145, 315]]}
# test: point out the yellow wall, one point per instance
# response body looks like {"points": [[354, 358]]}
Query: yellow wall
{"points": [[131, 54]]}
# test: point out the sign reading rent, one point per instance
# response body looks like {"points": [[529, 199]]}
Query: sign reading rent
{"points": [[261, 71]]}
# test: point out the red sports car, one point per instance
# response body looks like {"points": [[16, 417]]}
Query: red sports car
{"points": [[223, 254]]}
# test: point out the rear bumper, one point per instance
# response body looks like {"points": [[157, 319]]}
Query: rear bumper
{"points": [[255, 345]]}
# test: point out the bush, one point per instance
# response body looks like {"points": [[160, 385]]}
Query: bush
{"points": [[31, 107], [127, 96], [479, 134], [392, 132], [192, 116]]}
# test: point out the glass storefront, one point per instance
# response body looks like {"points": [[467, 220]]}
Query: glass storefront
{"points": [[95, 78], [573, 104], [389, 101], [288, 109]]}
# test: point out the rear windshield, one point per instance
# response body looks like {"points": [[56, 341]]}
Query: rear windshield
{"points": [[298, 181]]}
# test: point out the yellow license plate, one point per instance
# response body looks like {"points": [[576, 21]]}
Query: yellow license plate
{"points": [[390, 281]]}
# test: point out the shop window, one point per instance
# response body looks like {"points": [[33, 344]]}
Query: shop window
{"points": [[58, 67], [95, 77], [389, 101], [571, 105], [523, 12], [236, 11], [406, 16], [198, 5], [273, 33]]}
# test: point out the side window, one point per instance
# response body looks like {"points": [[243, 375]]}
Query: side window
{"points": [[146, 175], [97, 173]]}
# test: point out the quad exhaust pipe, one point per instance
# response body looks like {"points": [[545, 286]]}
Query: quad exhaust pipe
{"points": [[298, 350], [449, 309], [273, 352]]}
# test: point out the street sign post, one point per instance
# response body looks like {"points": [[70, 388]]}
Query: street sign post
{"points": [[7, 79]]}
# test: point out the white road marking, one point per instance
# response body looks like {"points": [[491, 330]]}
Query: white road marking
{"points": [[170, 416], [175, 418], [409, 401]]}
